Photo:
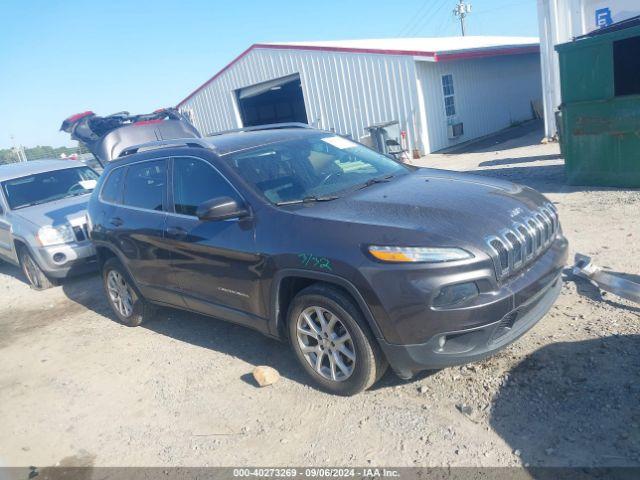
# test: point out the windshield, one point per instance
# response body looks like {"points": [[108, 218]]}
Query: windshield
{"points": [[48, 186], [315, 168]]}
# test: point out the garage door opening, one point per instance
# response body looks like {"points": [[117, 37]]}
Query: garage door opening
{"points": [[275, 101]]}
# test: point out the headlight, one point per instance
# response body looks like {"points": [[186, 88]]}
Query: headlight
{"points": [[418, 254], [55, 235]]}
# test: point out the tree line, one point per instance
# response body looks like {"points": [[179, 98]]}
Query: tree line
{"points": [[8, 155]]}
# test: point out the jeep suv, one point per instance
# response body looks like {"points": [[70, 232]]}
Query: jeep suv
{"points": [[358, 261]]}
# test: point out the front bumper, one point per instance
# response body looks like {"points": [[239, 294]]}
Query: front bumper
{"points": [[447, 337], [463, 346], [59, 261]]}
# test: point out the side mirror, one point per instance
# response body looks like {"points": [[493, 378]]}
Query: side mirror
{"points": [[221, 208]]}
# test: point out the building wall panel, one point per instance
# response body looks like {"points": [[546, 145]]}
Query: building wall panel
{"points": [[343, 92], [490, 94]]}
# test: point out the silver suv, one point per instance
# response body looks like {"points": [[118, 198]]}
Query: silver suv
{"points": [[43, 225]]}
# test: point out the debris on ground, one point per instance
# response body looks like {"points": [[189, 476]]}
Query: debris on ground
{"points": [[604, 280], [464, 408], [265, 375]]}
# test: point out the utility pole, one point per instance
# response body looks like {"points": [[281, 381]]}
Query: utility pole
{"points": [[462, 10]]}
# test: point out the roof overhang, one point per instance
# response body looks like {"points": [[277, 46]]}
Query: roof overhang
{"points": [[418, 55]]}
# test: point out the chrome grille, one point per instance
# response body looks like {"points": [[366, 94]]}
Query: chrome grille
{"points": [[514, 247], [503, 253], [528, 241], [80, 232]]}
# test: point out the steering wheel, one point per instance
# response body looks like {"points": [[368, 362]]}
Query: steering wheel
{"points": [[76, 187], [327, 177]]}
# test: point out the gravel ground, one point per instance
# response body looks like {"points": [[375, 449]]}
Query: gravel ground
{"points": [[77, 388]]}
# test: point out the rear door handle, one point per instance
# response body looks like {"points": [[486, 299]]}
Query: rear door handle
{"points": [[176, 232], [116, 221]]}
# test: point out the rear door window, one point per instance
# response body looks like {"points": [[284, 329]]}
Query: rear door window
{"points": [[112, 190], [195, 182], [145, 185]]}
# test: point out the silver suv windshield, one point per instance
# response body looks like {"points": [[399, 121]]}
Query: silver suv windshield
{"points": [[319, 168], [48, 186]]}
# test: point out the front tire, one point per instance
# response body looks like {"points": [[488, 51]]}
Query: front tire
{"points": [[127, 303], [332, 341], [36, 277]]}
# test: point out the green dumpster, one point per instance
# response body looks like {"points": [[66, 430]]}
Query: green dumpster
{"points": [[599, 118]]}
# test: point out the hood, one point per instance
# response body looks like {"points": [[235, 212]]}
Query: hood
{"points": [[71, 210], [437, 206]]}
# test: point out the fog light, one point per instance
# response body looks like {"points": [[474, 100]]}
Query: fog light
{"points": [[453, 295], [59, 257]]}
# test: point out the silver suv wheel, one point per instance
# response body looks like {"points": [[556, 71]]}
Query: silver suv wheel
{"points": [[326, 343], [31, 271]]}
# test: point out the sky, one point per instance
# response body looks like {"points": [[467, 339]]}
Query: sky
{"points": [[60, 57]]}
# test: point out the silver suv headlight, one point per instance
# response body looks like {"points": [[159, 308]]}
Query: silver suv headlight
{"points": [[55, 235]]}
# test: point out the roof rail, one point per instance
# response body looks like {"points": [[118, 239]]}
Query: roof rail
{"points": [[269, 126], [144, 147]]}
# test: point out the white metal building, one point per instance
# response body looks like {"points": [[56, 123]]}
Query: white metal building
{"points": [[560, 21], [442, 91]]}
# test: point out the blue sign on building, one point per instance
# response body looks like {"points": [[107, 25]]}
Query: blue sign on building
{"points": [[603, 17]]}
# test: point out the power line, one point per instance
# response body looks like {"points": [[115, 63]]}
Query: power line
{"points": [[445, 25], [420, 25], [413, 18], [500, 7]]}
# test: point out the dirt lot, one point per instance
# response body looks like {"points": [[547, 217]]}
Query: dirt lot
{"points": [[78, 388]]}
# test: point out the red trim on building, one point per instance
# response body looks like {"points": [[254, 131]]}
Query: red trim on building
{"points": [[437, 57], [227, 67], [443, 57], [345, 49]]}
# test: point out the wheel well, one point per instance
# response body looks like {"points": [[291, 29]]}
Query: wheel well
{"points": [[289, 287], [19, 245], [103, 254]]}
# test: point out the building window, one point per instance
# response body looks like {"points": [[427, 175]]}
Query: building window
{"points": [[447, 90], [626, 66]]}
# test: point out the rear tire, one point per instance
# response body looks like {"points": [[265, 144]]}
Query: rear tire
{"points": [[332, 341], [127, 303], [36, 278]]}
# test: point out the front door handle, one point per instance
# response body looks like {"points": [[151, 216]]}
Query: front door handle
{"points": [[116, 221], [178, 232]]}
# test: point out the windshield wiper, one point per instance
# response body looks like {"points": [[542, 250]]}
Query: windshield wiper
{"points": [[310, 199], [78, 193], [31, 204], [373, 181], [53, 199]]}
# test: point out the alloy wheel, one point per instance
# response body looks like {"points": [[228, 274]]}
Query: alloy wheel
{"points": [[325, 343], [120, 293], [31, 271]]}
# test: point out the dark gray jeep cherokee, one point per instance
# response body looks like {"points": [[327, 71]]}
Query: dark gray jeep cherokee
{"points": [[357, 260]]}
